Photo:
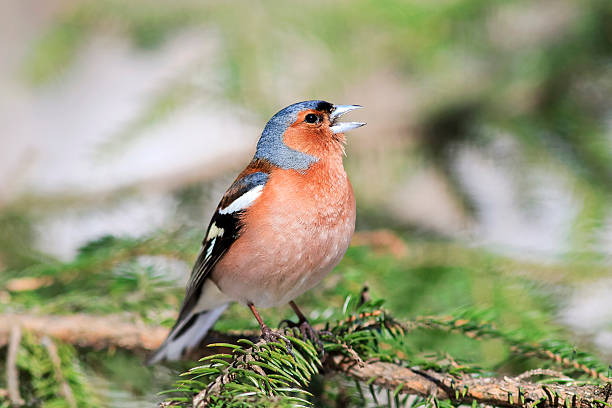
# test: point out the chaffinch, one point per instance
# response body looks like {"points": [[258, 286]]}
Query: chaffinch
{"points": [[284, 223]]}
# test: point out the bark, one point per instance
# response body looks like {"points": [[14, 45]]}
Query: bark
{"points": [[12, 375], [82, 330], [502, 392], [102, 332]]}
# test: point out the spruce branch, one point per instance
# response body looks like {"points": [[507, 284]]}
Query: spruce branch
{"points": [[363, 345], [560, 353], [360, 347], [52, 374]]}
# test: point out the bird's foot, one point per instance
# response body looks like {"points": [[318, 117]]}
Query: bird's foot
{"points": [[273, 336], [289, 323], [309, 332]]}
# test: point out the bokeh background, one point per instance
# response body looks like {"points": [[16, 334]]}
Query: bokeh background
{"points": [[483, 177]]}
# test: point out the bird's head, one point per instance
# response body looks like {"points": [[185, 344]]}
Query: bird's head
{"points": [[304, 133]]}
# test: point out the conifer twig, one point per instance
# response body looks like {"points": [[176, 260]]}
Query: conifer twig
{"points": [[541, 371], [12, 375]]}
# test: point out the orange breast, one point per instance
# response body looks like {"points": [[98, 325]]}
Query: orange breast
{"points": [[293, 235]]}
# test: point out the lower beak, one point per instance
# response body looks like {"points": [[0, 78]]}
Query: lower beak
{"points": [[341, 127]]}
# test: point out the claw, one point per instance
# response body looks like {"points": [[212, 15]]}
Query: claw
{"points": [[290, 324], [308, 332], [271, 336]]}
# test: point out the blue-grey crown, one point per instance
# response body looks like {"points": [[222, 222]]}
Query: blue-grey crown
{"points": [[271, 145]]}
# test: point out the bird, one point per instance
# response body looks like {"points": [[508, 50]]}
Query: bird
{"points": [[279, 229]]}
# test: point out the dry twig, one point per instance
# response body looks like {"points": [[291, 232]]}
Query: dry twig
{"points": [[542, 371], [12, 375]]}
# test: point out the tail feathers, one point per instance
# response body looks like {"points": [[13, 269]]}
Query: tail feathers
{"points": [[187, 334]]}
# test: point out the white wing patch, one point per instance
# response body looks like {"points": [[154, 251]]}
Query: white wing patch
{"points": [[210, 248], [244, 201], [213, 233]]}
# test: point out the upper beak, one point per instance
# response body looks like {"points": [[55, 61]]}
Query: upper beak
{"points": [[341, 127]]}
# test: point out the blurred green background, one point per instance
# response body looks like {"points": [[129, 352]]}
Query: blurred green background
{"points": [[485, 169]]}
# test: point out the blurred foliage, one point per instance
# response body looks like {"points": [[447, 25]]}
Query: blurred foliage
{"points": [[17, 240], [35, 362], [536, 72]]}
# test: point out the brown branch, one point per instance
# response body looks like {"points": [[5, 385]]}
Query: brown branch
{"points": [[12, 375], [86, 330], [101, 332], [113, 331], [506, 392]]}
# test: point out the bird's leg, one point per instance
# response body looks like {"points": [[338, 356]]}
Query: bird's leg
{"points": [[308, 332], [298, 313], [267, 333]]}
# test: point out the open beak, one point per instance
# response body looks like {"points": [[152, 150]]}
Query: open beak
{"points": [[341, 127]]}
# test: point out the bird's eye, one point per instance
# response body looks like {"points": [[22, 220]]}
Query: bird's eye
{"points": [[311, 118]]}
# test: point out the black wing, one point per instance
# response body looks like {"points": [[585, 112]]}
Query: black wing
{"points": [[222, 232]]}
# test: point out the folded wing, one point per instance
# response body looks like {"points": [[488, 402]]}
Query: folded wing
{"points": [[203, 303]]}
